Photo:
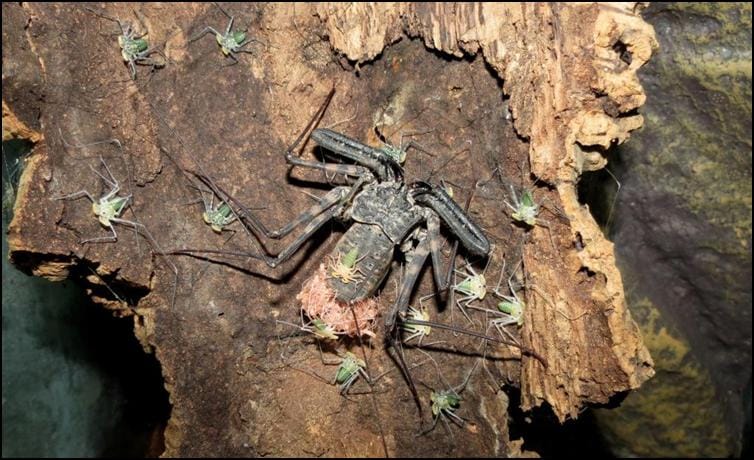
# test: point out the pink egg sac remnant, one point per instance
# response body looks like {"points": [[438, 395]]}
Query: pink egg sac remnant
{"points": [[318, 302]]}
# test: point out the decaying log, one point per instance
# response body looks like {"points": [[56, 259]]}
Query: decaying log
{"points": [[536, 92]]}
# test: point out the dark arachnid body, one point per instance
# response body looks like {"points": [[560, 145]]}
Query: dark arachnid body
{"points": [[368, 240], [384, 215], [385, 212]]}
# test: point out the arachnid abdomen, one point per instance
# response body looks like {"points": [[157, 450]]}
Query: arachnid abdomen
{"points": [[382, 216], [374, 252]]}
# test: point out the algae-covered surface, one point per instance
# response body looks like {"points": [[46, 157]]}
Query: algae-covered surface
{"points": [[656, 417], [704, 68], [683, 232]]}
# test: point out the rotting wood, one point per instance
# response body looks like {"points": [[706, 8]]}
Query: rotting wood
{"points": [[570, 91]]}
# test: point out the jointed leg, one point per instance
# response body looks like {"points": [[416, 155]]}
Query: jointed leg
{"points": [[417, 258], [434, 424], [335, 168], [76, 195], [343, 194], [455, 418], [141, 227], [315, 217], [138, 227], [314, 225], [501, 324], [79, 194], [248, 40], [463, 303], [203, 33], [109, 18], [249, 217], [442, 278], [433, 234], [233, 62], [102, 239], [309, 230], [145, 59], [225, 13], [333, 197], [142, 26], [336, 195], [114, 187], [112, 181]]}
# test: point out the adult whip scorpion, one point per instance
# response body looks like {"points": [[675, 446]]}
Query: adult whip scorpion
{"points": [[385, 212]]}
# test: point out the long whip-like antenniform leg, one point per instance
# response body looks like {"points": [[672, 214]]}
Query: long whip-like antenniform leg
{"points": [[316, 217], [258, 227]]}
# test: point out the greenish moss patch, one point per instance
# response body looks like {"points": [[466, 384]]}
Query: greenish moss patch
{"points": [[662, 418]]}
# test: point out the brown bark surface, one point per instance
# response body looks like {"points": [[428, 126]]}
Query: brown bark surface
{"points": [[537, 91]]}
